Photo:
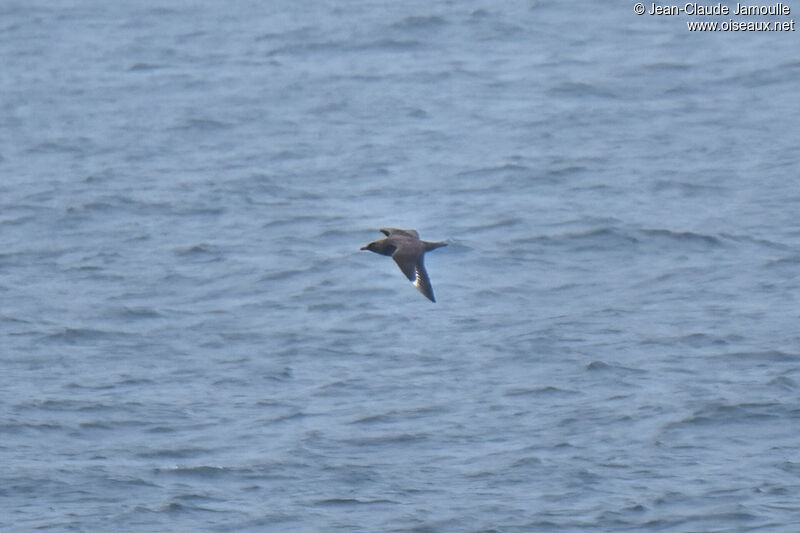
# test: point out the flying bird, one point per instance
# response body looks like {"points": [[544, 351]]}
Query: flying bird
{"points": [[408, 251]]}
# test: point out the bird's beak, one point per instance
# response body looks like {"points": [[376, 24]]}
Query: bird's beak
{"points": [[363, 248]]}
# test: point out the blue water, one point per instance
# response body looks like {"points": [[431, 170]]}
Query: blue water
{"points": [[192, 340]]}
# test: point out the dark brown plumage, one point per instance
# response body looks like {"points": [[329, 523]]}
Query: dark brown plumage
{"points": [[408, 251]]}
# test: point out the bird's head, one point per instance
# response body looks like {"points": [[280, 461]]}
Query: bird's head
{"points": [[382, 247]]}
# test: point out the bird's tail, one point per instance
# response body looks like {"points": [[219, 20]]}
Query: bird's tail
{"points": [[433, 245]]}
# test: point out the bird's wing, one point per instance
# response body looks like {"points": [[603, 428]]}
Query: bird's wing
{"points": [[407, 261], [413, 267], [423, 283], [389, 231]]}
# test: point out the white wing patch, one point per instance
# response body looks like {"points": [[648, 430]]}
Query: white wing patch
{"points": [[417, 278]]}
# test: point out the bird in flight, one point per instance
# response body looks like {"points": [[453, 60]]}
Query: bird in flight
{"points": [[408, 251]]}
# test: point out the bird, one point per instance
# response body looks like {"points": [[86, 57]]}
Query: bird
{"points": [[408, 251]]}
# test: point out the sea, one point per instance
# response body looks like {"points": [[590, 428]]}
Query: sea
{"points": [[192, 340]]}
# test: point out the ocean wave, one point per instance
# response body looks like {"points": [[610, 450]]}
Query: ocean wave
{"points": [[420, 22]]}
